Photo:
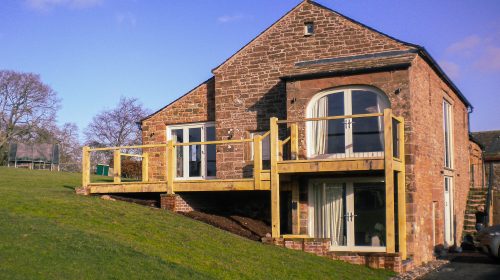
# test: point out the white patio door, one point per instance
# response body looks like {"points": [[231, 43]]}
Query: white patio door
{"points": [[194, 161], [351, 213], [346, 137], [448, 211]]}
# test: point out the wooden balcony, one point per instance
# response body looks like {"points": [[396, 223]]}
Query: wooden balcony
{"points": [[285, 159]]}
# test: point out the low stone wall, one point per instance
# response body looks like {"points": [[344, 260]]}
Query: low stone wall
{"points": [[321, 247]]}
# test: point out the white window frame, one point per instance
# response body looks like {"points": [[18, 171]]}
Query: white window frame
{"points": [[349, 183], [252, 134], [448, 129], [185, 149], [347, 91]]}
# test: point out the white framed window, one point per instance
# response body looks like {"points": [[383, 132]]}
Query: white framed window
{"points": [[359, 137], [448, 134], [194, 161], [308, 28]]}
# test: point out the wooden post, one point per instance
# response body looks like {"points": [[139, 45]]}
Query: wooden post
{"points": [[117, 166], [257, 160], [170, 163], [280, 150], [85, 166], [145, 166], [402, 193], [294, 141], [389, 182], [275, 181]]}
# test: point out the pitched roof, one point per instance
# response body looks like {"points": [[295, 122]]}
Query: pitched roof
{"points": [[421, 50], [490, 140]]}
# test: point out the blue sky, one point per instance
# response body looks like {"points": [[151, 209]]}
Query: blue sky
{"points": [[94, 51]]}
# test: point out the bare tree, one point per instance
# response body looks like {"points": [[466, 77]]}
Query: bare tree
{"points": [[117, 126], [26, 104], [70, 147]]}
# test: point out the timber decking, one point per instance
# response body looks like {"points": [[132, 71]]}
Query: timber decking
{"points": [[392, 163]]}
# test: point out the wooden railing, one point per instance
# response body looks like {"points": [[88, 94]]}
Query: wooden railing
{"points": [[277, 147], [117, 155], [392, 137]]}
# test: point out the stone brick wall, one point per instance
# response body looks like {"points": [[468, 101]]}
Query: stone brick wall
{"points": [[425, 161], [247, 91], [476, 166], [496, 173], [248, 88], [195, 106], [321, 247], [175, 202]]}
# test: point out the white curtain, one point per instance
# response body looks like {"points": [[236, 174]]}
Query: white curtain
{"points": [[329, 212], [320, 128]]}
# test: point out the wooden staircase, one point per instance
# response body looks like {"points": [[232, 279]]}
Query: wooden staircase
{"points": [[476, 197]]}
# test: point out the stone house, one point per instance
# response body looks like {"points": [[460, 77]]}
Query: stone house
{"points": [[355, 144]]}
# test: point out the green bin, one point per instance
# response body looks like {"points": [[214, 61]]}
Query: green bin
{"points": [[102, 169]]}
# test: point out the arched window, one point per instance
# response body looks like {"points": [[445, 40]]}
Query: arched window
{"points": [[346, 137]]}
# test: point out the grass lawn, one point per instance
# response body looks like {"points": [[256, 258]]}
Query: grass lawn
{"points": [[48, 232]]}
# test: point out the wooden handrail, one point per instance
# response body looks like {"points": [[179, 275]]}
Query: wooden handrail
{"points": [[214, 142], [266, 134], [127, 147], [333, 118]]}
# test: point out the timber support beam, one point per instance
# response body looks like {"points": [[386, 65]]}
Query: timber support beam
{"points": [[275, 180]]}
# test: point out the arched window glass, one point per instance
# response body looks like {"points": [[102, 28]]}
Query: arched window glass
{"points": [[349, 137]]}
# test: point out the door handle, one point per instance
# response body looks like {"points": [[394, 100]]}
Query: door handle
{"points": [[351, 216]]}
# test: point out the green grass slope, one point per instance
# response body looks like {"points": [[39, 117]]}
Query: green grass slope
{"points": [[48, 232]]}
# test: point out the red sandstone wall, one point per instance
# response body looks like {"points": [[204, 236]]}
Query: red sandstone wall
{"points": [[425, 160], [247, 91], [248, 88], [195, 106]]}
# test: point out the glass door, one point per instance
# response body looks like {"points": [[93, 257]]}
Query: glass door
{"points": [[349, 212], [448, 211], [194, 161], [368, 214], [358, 137]]}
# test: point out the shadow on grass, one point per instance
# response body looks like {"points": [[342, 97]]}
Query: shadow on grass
{"points": [[69, 187]]}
